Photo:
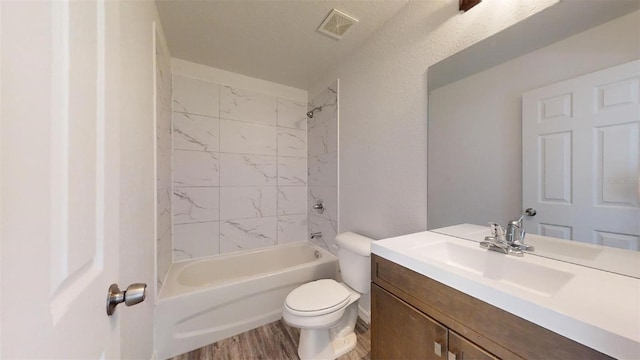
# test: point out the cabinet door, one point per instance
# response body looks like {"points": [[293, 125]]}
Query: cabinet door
{"points": [[398, 331], [463, 349]]}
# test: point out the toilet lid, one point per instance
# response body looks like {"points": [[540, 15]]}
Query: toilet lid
{"points": [[317, 296]]}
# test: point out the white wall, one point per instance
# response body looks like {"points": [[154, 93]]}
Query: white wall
{"points": [[239, 162], [475, 124], [137, 172], [383, 109], [163, 157]]}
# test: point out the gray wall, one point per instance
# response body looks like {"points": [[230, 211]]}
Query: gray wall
{"points": [[383, 109]]}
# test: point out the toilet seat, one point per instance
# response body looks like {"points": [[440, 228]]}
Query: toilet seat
{"points": [[317, 298]]}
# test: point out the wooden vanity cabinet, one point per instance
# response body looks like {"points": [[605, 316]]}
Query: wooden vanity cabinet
{"points": [[464, 349], [402, 332], [412, 316]]}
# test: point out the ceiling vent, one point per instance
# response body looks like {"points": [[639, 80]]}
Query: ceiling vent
{"points": [[336, 24]]}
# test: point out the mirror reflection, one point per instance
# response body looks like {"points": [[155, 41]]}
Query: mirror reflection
{"points": [[551, 123]]}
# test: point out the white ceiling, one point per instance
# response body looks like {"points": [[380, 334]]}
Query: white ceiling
{"points": [[274, 40]]}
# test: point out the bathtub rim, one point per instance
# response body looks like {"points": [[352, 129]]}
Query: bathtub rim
{"points": [[172, 273]]}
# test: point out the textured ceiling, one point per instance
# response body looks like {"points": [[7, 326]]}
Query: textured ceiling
{"points": [[268, 39]]}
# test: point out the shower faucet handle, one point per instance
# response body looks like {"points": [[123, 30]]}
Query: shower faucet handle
{"points": [[319, 206]]}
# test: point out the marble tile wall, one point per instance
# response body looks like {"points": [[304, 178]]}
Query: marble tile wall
{"points": [[323, 166], [239, 169], [163, 163]]}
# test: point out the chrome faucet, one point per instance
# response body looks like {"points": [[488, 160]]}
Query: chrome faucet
{"points": [[509, 242]]}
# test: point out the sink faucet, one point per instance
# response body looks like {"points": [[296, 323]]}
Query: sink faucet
{"points": [[511, 242]]}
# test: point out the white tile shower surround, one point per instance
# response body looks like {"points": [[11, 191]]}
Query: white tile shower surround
{"points": [[247, 233], [197, 97], [292, 171], [247, 138], [196, 204], [329, 230], [240, 169], [322, 175], [164, 214], [195, 168], [243, 105], [322, 132], [195, 132], [248, 170], [329, 197], [247, 202], [290, 116], [292, 228], [199, 238], [323, 170], [292, 200], [292, 142]]}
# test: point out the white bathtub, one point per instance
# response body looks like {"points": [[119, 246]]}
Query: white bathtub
{"points": [[206, 300]]}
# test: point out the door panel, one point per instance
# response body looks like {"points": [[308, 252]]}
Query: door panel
{"points": [[581, 157], [60, 196]]}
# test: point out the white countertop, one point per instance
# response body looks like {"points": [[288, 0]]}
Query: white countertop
{"points": [[596, 308], [624, 262]]}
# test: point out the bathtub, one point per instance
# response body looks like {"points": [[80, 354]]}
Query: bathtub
{"points": [[206, 300]]}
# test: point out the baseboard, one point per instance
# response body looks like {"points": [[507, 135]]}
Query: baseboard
{"points": [[364, 315]]}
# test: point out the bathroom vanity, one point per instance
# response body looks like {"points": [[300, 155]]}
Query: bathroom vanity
{"points": [[435, 296]]}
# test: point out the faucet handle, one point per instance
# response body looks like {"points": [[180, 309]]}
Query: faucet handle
{"points": [[519, 242], [517, 222], [496, 230]]}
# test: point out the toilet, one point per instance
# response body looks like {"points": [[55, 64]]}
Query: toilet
{"points": [[326, 310]]}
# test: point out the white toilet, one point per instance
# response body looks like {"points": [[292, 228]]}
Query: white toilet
{"points": [[326, 310]]}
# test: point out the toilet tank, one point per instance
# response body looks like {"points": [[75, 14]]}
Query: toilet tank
{"points": [[354, 259]]}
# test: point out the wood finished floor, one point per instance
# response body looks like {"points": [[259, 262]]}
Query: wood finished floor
{"points": [[273, 341]]}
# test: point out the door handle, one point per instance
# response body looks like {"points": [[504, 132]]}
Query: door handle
{"points": [[134, 294]]}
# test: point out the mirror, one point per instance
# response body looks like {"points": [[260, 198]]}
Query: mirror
{"points": [[475, 146]]}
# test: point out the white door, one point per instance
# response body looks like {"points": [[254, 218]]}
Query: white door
{"points": [[60, 195], [581, 157]]}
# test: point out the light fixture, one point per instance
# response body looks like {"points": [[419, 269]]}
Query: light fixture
{"points": [[465, 5]]}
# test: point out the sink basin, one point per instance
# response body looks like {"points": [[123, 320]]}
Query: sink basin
{"points": [[505, 269]]}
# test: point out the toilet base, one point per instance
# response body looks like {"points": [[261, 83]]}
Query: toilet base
{"points": [[343, 345], [316, 344], [331, 342]]}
